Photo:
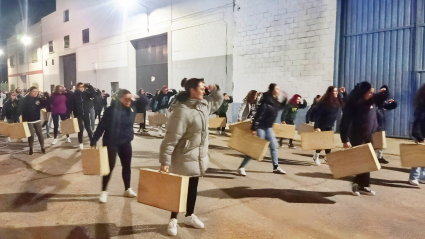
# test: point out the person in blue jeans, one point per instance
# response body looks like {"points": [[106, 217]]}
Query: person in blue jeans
{"points": [[262, 126], [417, 175]]}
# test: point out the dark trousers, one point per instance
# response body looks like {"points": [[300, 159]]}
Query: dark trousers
{"points": [[35, 128], [225, 116], [191, 197], [55, 118], [97, 114], [124, 151], [363, 180], [84, 122], [327, 151], [290, 140], [143, 125]]}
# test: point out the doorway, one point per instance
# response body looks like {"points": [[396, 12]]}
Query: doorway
{"points": [[69, 70]]}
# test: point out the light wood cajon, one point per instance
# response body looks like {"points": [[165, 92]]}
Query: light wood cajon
{"points": [[379, 140], [357, 160], [95, 161], [43, 115], [217, 122], [163, 190], [4, 129], [140, 118], [19, 131], [246, 143], [317, 140], [70, 126], [157, 119], [302, 128], [412, 155], [245, 126], [286, 131]]}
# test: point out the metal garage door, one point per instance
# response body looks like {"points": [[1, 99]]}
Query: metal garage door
{"points": [[381, 41]]}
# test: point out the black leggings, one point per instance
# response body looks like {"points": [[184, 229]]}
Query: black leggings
{"points": [[37, 129], [363, 180], [191, 197], [327, 151], [124, 152], [84, 122], [225, 116], [97, 114], [55, 118]]}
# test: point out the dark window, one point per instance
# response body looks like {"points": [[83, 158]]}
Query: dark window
{"points": [[66, 16], [86, 36], [46, 63], [66, 41], [50, 46], [53, 62], [11, 61]]}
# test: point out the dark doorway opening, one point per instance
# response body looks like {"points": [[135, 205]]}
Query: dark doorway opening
{"points": [[69, 70]]}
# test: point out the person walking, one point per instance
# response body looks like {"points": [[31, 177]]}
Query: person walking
{"points": [[357, 125], [184, 149], [382, 107], [77, 104], [222, 112], [98, 104], [326, 113], [89, 104], [249, 105], [58, 104], [47, 121], [30, 108], [309, 116], [141, 104], [162, 103], [290, 113], [262, 126], [417, 174], [116, 126], [10, 110], [104, 102]]}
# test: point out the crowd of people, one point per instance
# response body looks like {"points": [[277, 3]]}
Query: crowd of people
{"points": [[184, 148]]}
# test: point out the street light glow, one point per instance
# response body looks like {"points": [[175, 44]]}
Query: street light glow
{"points": [[26, 40], [125, 5]]}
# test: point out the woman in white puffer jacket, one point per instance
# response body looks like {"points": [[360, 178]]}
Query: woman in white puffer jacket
{"points": [[184, 149]]}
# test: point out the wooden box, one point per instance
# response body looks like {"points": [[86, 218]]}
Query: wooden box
{"points": [[286, 131], [43, 115], [302, 128], [412, 155], [357, 160], [163, 190], [140, 118], [19, 131], [317, 140], [95, 161], [4, 129], [70, 126], [245, 126], [217, 122], [248, 144], [379, 140], [157, 119]]}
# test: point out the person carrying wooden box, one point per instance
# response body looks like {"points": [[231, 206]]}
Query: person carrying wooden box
{"points": [[290, 113], [184, 149], [382, 106], [116, 126], [262, 126], [326, 113], [357, 125], [222, 112], [249, 105], [417, 175]]}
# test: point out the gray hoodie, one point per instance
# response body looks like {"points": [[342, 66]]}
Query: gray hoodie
{"points": [[185, 145]]}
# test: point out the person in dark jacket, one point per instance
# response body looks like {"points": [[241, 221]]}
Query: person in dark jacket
{"points": [[30, 108], [116, 126], [326, 113], [357, 125], [290, 113], [105, 97], [382, 107], [417, 175], [162, 101], [222, 112], [89, 104], [262, 126], [77, 104], [59, 109], [142, 103], [98, 101], [309, 116], [10, 109]]}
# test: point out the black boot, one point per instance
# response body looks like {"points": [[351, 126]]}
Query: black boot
{"points": [[43, 150], [383, 161], [31, 152]]}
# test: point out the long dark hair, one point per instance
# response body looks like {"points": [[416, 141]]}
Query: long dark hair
{"points": [[250, 97], [356, 96], [329, 100], [419, 100], [192, 83], [121, 93]]}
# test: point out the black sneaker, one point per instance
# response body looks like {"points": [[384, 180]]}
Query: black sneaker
{"points": [[291, 146], [31, 152], [43, 150], [356, 189], [383, 161], [366, 191]]}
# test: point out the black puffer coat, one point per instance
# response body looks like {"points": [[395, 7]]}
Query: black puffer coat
{"points": [[10, 110], [80, 102], [30, 108], [266, 113]]}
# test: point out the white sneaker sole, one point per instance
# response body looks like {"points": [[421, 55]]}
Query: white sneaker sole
{"points": [[355, 193]]}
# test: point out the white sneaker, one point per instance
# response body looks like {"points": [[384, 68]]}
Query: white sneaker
{"points": [[172, 227], [316, 158], [224, 133], [367, 191], [414, 182], [129, 193], [241, 171], [103, 197], [55, 141], [193, 221], [217, 132], [9, 140], [279, 171], [68, 140]]}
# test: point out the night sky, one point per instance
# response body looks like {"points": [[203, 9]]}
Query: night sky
{"points": [[11, 14]]}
